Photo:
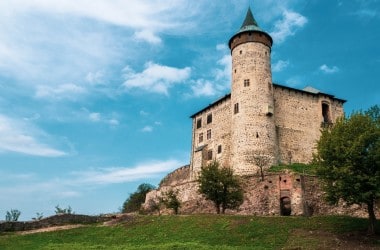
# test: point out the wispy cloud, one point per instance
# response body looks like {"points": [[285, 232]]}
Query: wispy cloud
{"points": [[64, 91], [147, 129], [280, 65], [21, 137], [287, 26], [220, 76], [125, 174], [328, 70], [155, 78]]}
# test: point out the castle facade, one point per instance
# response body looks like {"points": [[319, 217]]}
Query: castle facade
{"points": [[259, 123]]}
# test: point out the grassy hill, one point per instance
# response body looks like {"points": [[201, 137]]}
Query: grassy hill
{"points": [[205, 232]]}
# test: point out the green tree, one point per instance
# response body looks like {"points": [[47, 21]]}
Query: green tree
{"points": [[134, 201], [348, 159], [170, 199], [219, 185], [59, 210], [12, 215]]}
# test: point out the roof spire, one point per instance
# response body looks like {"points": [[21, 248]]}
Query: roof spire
{"points": [[249, 19]]}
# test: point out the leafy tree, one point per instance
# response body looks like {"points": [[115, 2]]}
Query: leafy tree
{"points": [[261, 160], [219, 185], [134, 201], [12, 215], [348, 160], [171, 200], [67, 210]]}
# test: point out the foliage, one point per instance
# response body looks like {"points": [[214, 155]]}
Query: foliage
{"points": [[261, 160], [348, 161], [67, 210], [171, 201], [201, 232], [219, 185], [134, 201], [300, 168], [39, 216], [12, 215]]}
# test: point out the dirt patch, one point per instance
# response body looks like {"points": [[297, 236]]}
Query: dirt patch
{"points": [[316, 239], [50, 229]]}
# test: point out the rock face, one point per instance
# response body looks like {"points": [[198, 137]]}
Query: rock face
{"points": [[284, 193]]}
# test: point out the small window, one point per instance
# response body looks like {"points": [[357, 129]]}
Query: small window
{"points": [[246, 82], [209, 155], [241, 52], [199, 123], [236, 108], [269, 86], [209, 118], [209, 134], [200, 137], [219, 149], [326, 113]]}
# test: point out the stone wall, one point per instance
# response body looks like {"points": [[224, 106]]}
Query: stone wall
{"points": [[56, 220], [267, 197], [299, 117], [219, 140]]}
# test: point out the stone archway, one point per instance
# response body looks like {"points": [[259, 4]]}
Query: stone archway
{"points": [[285, 206]]}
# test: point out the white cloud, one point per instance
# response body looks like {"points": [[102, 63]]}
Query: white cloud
{"points": [[19, 137], [280, 65], [294, 81], [94, 117], [64, 91], [125, 174], [147, 129], [155, 78], [113, 122], [287, 26], [203, 87], [148, 36], [328, 70]]}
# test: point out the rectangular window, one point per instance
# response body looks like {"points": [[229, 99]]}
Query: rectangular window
{"points": [[236, 108], [209, 118], [199, 123], [200, 137], [209, 134], [246, 82], [219, 149], [209, 155]]}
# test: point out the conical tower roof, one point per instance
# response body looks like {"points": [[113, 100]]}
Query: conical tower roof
{"points": [[249, 23], [250, 26]]}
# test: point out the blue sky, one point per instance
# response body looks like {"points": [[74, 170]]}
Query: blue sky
{"points": [[95, 95]]}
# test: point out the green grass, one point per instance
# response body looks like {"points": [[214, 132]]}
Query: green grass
{"points": [[295, 167], [194, 232]]}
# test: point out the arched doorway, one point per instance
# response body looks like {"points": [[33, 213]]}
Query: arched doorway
{"points": [[285, 206]]}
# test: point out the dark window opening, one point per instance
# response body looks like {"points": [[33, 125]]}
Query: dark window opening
{"points": [[199, 123], [209, 155], [241, 52], [285, 206], [209, 118], [246, 82], [257, 134], [219, 149], [201, 137], [236, 108], [326, 113], [209, 134]]}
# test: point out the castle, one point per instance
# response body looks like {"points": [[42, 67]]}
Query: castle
{"points": [[259, 123]]}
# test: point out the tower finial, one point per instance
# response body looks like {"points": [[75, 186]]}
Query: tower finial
{"points": [[249, 19]]}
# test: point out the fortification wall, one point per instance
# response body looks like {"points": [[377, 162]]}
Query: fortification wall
{"points": [[303, 194], [299, 118], [212, 140]]}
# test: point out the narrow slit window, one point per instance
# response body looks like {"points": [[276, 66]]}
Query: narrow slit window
{"points": [[201, 137], [219, 149], [236, 108]]}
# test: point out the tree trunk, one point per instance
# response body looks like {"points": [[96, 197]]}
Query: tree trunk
{"points": [[262, 173], [371, 217], [217, 207]]}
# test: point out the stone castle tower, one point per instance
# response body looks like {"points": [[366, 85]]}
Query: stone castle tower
{"points": [[260, 123], [252, 96]]}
